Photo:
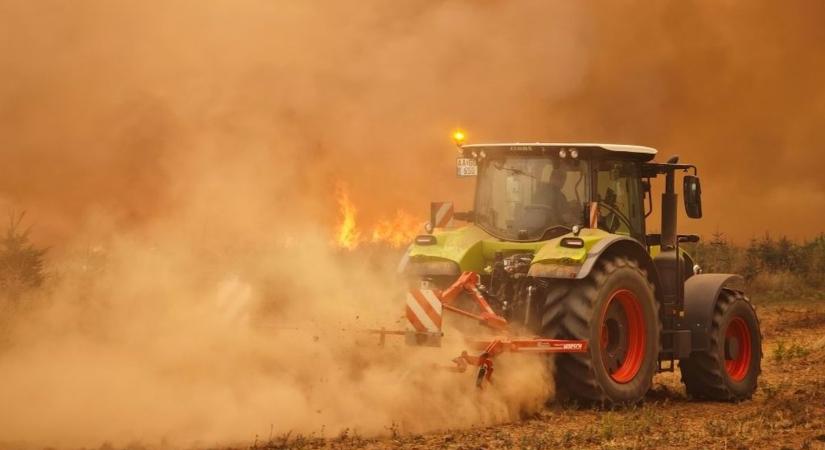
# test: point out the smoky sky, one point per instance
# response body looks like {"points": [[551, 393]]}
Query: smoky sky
{"points": [[255, 110]]}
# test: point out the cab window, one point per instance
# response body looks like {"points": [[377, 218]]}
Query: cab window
{"points": [[526, 197], [618, 191]]}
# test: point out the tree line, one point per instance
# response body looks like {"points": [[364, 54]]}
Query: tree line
{"points": [[777, 265]]}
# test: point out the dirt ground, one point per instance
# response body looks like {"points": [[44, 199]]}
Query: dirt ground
{"points": [[788, 410]]}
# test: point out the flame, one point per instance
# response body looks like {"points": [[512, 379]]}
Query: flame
{"points": [[396, 231], [348, 236]]}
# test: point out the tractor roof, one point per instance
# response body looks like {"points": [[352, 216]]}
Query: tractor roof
{"points": [[632, 151]]}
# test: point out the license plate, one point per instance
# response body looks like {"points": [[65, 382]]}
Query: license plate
{"points": [[466, 167]]}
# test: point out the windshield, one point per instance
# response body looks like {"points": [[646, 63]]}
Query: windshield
{"points": [[522, 197]]}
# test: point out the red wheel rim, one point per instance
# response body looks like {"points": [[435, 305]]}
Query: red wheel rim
{"points": [[623, 336], [737, 349]]}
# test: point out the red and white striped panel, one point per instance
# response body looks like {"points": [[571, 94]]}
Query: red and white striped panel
{"points": [[424, 310], [441, 214]]}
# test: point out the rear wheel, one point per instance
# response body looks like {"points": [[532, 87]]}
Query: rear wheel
{"points": [[615, 310], [729, 368]]}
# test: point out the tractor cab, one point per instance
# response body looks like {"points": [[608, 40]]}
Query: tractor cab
{"points": [[536, 192]]}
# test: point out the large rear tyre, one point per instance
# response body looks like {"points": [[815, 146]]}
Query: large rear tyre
{"points": [[615, 310], [729, 368]]}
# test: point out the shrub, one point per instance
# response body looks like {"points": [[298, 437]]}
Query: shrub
{"points": [[21, 262], [773, 268]]}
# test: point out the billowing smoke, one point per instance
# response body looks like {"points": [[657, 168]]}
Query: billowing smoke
{"points": [[125, 109]]}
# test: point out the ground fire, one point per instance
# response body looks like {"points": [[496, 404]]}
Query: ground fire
{"points": [[396, 231]]}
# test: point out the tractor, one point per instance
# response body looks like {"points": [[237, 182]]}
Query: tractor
{"points": [[558, 247]]}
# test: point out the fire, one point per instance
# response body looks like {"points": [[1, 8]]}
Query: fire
{"points": [[348, 236], [396, 231]]}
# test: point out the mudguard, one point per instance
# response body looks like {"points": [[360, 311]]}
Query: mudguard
{"points": [[631, 247], [553, 262], [701, 292]]}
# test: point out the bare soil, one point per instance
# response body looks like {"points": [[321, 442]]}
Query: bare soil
{"points": [[787, 411]]}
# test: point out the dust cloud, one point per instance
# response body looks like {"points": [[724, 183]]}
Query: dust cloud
{"points": [[164, 341]]}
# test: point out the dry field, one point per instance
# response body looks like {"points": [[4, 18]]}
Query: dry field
{"points": [[788, 410]]}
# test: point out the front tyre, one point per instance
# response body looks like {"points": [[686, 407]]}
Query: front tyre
{"points": [[729, 368], [615, 310]]}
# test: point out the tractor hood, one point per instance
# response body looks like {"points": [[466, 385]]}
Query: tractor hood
{"points": [[470, 248]]}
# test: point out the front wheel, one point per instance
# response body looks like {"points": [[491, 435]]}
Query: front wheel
{"points": [[614, 308], [728, 369]]}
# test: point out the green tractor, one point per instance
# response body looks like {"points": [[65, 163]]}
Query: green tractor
{"points": [[558, 237]]}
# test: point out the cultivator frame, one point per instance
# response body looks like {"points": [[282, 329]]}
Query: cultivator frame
{"points": [[426, 305]]}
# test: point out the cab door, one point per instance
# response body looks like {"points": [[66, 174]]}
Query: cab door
{"points": [[618, 192]]}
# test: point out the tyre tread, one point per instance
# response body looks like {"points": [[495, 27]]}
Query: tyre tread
{"points": [[702, 372], [569, 316]]}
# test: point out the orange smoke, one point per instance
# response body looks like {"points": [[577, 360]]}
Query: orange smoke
{"points": [[396, 231]]}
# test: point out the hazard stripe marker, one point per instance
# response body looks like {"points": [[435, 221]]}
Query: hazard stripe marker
{"points": [[430, 305], [424, 310], [442, 214]]}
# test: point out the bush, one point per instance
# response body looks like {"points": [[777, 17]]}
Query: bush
{"points": [[773, 268], [21, 263]]}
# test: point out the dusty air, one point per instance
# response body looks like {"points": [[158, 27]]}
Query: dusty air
{"points": [[415, 224]]}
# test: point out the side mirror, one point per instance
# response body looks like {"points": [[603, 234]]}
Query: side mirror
{"points": [[693, 196]]}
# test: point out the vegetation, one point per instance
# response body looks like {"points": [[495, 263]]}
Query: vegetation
{"points": [[22, 265], [783, 352], [775, 269]]}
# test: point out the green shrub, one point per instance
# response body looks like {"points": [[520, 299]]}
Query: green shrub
{"points": [[773, 268]]}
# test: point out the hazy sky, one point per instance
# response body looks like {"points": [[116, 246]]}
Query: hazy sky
{"points": [[126, 112]]}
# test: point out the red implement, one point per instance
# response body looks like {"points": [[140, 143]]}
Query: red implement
{"points": [[425, 307]]}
